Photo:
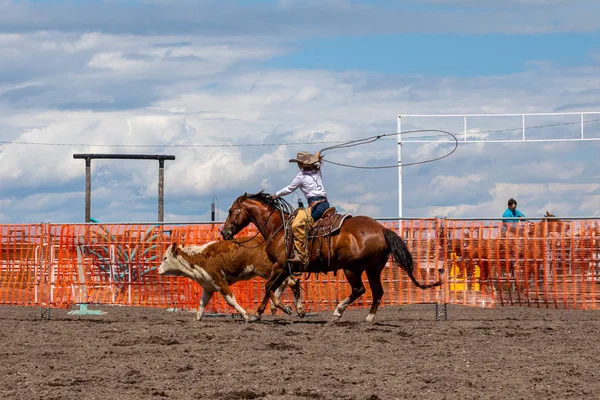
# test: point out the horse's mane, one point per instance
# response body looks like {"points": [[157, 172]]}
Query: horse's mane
{"points": [[267, 199]]}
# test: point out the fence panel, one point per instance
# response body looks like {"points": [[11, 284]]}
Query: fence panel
{"points": [[542, 264], [23, 261], [550, 263]]}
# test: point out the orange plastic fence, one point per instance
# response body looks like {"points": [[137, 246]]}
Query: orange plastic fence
{"points": [[545, 264]]}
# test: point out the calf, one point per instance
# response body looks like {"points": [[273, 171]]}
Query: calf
{"points": [[217, 265]]}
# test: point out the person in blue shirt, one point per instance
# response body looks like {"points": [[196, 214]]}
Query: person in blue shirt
{"points": [[511, 213]]}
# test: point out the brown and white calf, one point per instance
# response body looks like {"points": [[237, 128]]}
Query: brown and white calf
{"points": [[217, 265]]}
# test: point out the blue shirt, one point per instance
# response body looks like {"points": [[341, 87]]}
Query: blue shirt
{"points": [[514, 214]]}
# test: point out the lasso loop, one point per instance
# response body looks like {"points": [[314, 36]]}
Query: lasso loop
{"points": [[373, 139]]}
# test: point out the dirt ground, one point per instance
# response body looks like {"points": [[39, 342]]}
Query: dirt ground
{"points": [[135, 353]]}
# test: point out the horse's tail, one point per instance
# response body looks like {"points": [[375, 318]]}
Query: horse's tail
{"points": [[404, 259]]}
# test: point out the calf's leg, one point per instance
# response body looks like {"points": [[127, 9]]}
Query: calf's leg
{"points": [[206, 296], [230, 299]]}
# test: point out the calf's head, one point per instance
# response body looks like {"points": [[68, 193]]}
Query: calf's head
{"points": [[170, 264]]}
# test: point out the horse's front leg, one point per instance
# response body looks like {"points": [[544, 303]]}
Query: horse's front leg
{"points": [[278, 293], [294, 285], [278, 275]]}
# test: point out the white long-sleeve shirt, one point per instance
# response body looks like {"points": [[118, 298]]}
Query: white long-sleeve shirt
{"points": [[309, 182]]}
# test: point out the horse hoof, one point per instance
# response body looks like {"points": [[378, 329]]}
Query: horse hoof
{"points": [[254, 318], [287, 310], [301, 313], [273, 311]]}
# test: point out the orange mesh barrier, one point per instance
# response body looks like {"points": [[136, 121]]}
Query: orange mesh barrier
{"points": [[543, 264], [23, 262]]}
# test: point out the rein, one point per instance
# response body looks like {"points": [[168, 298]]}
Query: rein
{"points": [[280, 207], [283, 207]]}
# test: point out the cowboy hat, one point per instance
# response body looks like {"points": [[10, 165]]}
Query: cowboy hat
{"points": [[306, 158]]}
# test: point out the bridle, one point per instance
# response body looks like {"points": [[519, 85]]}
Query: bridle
{"points": [[284, 226], [238, 211]]}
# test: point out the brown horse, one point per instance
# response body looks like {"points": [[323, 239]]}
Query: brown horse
{"points": [[516, 251], [361, 245], [548, 226]]}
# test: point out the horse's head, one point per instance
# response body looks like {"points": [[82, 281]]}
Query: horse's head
{"points": [[237, 218], [555, 225], [548, 225], [256, 208]]}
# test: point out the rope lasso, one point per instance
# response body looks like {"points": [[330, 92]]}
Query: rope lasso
{"points": [[373, 139]]}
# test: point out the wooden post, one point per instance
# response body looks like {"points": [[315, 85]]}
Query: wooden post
{"points": [[161, 190], [88, 188], [161, 176]]}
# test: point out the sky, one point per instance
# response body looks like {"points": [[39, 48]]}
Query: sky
{"points": [[234, 89]]}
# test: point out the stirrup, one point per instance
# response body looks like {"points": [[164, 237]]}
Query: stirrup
{"points": [[296, 264], [295, 258]]}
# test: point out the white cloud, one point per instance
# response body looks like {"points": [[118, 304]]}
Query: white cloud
{"points": [[246, 112], [451, 183], [189, 89], [115, 61]]}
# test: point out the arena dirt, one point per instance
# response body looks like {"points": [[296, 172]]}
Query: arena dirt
{"points": [[135, 353]]}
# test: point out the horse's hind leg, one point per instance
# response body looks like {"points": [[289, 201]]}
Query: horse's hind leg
{"points": [[358, 289], [374, 276]]}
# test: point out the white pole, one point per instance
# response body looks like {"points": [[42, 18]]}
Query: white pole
{"points": [[400, 167]]}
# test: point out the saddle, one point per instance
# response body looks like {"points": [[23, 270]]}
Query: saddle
{"points": [[329, 223]]}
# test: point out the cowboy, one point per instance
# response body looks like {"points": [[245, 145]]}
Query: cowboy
{"points": [[310, 181], [512, 216]]}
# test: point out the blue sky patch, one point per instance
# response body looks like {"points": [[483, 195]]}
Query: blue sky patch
{"points": [[439, 54]]}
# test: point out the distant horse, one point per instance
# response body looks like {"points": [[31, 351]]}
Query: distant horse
{"points": [[514, 252], [548, 226], [466, 247], [361, 245], [587, 246], [217, 265]]}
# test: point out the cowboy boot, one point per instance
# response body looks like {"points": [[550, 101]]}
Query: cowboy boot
{"points": [[297, 263], [295, 260]]}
